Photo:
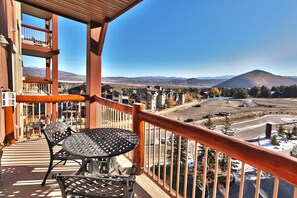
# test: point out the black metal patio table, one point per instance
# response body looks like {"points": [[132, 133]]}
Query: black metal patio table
{"points": [[99, 143]]}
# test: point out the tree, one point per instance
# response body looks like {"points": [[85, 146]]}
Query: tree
{"points": [[274, 140], [281, 130], [209, 124], [240, 93], [264, 92], [214, 92], [226, 127], [188, 97], [294, 130], [293, 152], [170, 102], [254, 91]]}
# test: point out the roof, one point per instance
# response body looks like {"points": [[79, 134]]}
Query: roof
{"points": [[84, 11]]}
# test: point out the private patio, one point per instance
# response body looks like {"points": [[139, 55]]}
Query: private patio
{"points": [[24, 165]]}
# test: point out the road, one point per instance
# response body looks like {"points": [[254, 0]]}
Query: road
{"points": [[250, 130]]}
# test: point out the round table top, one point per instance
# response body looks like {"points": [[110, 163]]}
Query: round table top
{"points": [[100, 142]]}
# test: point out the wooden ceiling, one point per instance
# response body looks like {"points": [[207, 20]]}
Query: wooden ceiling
{"points": [[84, 10]]}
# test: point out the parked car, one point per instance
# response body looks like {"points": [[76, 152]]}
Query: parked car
{"points": [[208, 116], [189, 120], [224, 113]]}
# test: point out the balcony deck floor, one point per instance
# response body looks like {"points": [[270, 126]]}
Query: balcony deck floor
{"points": [[24, 165]]}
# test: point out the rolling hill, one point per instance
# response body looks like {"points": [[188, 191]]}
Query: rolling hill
{"points": [[145, 80], [257, 78]]}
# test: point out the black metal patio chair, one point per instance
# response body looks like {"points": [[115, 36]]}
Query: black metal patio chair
{"points": [[55, 133], [101, 186]]}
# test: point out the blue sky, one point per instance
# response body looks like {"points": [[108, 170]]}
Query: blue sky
{"points": [[189, 39]]}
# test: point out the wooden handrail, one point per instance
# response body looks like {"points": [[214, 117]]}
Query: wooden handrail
{"points": [[112, 104], [49, 99], [36, 28], [37, 80], [264, 159]]}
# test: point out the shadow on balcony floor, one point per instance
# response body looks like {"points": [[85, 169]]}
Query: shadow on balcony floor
{"points": [[24, 165]]}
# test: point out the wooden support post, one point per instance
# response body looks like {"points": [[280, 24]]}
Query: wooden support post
{"points": [[9, 126], [138, 128], [95, 40], [55, 68]]}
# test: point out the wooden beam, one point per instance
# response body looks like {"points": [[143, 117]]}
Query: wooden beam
{"points": [[49, 99], [138, 128], [95, 41], [55, 66], [36, 80], [9, 126]]}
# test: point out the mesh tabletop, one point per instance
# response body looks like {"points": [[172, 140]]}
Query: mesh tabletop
{"points": [[100, 142]]}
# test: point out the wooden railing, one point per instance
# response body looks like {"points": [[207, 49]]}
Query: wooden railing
{"points": [[177, 157], [37, 111], [36, 36], [36, 86]]}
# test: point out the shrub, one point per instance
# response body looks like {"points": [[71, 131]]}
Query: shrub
{"points": [[274, 140], [293, 152]]}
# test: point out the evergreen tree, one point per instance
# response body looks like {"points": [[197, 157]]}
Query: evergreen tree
{"points": [[294, 130], [254, 91], [281, 130], [226, 127], [209, 124]]}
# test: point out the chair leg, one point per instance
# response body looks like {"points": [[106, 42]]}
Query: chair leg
{"points": [[48, 171], [65, 162]]}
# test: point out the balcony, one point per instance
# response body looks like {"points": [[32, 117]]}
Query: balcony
{"points": [[172, 155], [36, 41]]}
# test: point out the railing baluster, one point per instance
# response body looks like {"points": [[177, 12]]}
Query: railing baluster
{"points": [[258, 182], [171, 162], [159, 157], [178, 164], [165, 160], [204, 171], [242, 180], [154, 152], [215, 182], [275, 187], [149, 146], [228, 177], [195, 170], [186, 169]]}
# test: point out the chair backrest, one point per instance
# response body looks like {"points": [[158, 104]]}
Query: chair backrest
{"points": [[56, 132], [101, 186]]}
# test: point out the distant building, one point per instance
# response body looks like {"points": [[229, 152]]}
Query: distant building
{"points": [[181, 98]]}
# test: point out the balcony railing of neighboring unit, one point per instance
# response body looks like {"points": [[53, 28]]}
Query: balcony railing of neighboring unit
{"points": [[191, 161], [37, 112], [36, 36], [36, 86]]}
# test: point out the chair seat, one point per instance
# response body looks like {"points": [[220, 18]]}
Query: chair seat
{"points": [[63, 155], [100, 186]]}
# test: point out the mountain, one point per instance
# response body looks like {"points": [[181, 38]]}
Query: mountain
{"points": [[173, 81], [226, 77], [257, 78], [40, 72]]}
